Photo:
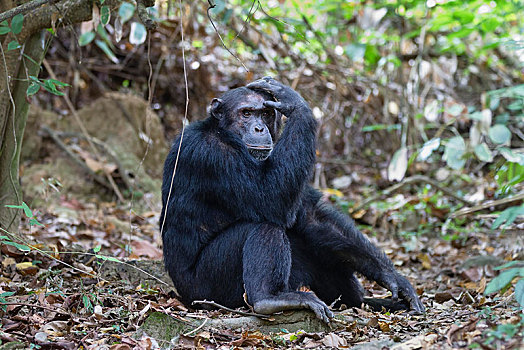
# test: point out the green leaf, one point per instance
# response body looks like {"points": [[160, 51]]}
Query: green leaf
{"points": [[97, 248], [508, 265], [508, 216], [86, 38], [464, 16], [483, 153], [6, 294], [454, 152], [17, 23], [501, 281], [372, 55], [50, 86], [475, 116], [126, 11], [494, 103], [20, 247], [107, 258], [27, 210], [32, 89], [197, 44], [519, 292], [516, 105], [489, 24], [13, 45], [35, 222], [4, 30], [58, 82], [461, 33], [105, 15], [87, 302], [499, 134], [103, 46], [375, 127], [355, 51], [138, 33], [511, 156]]}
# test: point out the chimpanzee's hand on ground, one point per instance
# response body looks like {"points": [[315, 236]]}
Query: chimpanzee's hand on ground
{"points": [[399, 285], [288, 100]]}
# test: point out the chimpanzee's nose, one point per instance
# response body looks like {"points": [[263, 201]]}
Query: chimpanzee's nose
{"points": [[258, 129]]}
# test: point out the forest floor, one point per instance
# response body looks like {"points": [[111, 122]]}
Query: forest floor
{"points": [[65, 293]]}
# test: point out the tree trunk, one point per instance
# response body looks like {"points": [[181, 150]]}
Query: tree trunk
{"points": [[13, 115], [20, 64]]}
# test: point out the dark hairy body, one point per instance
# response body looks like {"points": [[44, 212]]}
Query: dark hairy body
{"points": [[241, 216]]}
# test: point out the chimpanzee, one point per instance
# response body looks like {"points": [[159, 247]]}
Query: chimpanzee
{"points": [[240, 215]]}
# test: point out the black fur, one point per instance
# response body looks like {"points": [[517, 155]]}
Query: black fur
{"points": [[236, 224]]}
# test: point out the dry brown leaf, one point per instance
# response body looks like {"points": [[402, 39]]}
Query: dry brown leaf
{"points": [[145, 249], [8, 262], [424, 259], [421, 341], [27, 268], [333, 340]]}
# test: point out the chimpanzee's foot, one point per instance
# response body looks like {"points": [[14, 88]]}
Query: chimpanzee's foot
{"points": [[294, 300]]}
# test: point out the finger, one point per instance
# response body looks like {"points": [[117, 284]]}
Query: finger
{"points": [[317, 310], [321, 311], [393, 288], [259, 85], [273, 104], [418, 306], [411, 297], [268, 79]]}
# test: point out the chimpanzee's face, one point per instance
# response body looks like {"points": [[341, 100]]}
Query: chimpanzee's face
{"points": [[246, 116]]}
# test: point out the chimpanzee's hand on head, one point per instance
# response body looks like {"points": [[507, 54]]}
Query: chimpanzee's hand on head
{"points": [[399, 285], [288, 100]]}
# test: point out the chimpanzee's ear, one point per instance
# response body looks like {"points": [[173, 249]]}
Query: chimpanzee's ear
{"points": [[214, 108]]}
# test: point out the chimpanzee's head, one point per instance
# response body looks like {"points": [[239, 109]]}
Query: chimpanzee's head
{"points": [[242, 112]]}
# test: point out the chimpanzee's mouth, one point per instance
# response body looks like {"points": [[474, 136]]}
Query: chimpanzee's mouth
{"points": [[259, 152]]}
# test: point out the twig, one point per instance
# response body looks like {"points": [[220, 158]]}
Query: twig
{"points": [[106, 149], [51, 256], [320, 40], [24, 8], [248, 18], [183, 122], [100, 179], [196, 329], [495, 203], [408, 181], [212, 5], [218, 306], [37, 306]]}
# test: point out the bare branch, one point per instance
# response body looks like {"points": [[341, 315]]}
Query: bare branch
{"points": [[24, 8]]}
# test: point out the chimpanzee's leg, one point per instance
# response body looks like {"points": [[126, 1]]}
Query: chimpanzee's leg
{"points": [[214, 273], [267, 268], [331, 248], [255, 258], [326, 275]]}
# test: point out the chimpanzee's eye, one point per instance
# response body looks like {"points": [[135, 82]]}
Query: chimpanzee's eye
{"points": [[246, 113]]}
